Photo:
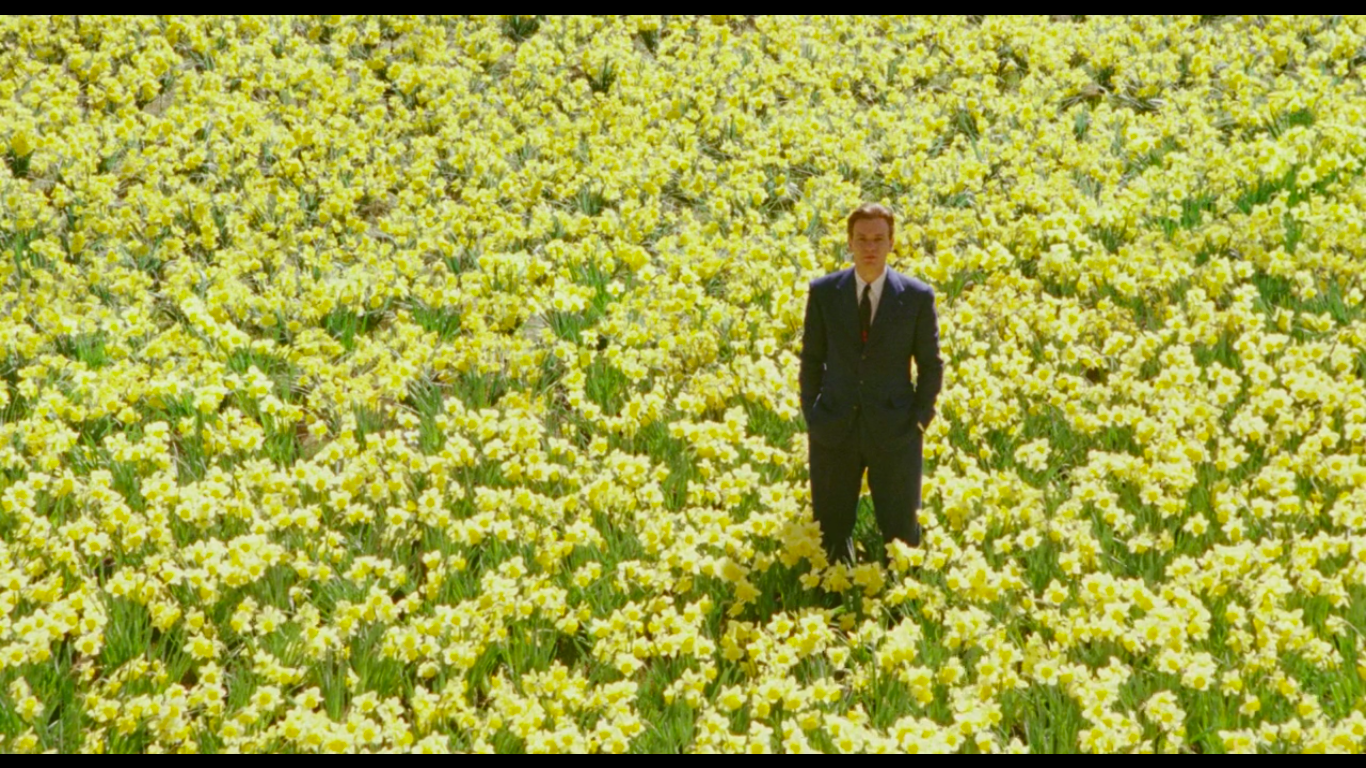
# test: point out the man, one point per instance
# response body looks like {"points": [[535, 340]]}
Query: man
{"points": [[863, 327]]}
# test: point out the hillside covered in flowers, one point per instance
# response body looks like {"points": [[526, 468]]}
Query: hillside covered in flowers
{"points": [[431, 383]]}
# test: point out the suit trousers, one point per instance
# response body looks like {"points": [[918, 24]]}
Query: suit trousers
{"points": [[837, 481]]}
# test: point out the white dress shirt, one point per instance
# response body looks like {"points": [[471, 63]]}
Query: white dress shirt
{"points": [[873, 295]]}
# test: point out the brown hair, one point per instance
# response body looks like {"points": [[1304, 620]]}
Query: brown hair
{"points": [[873, 211]]}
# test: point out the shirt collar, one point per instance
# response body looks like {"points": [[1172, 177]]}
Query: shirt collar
{"points": [[877, 284]]}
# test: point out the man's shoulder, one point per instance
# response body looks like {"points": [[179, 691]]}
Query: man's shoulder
{"points": [[914, 284], [824, 281]]}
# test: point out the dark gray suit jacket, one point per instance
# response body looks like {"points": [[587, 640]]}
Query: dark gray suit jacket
{"points": [[840, 377]]}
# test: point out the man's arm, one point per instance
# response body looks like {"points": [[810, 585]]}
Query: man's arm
{"points": [[929, 367], [813, 353]]}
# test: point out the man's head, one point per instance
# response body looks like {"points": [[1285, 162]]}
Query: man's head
{"points": [[871, 227]]}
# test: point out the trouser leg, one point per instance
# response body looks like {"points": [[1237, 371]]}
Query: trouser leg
{"points": [[836, 479], [894, 481]]}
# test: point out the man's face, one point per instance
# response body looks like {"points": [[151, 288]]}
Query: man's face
{"points": [[870, 242]]}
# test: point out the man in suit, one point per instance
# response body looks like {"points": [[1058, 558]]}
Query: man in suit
{"points": [[864, 325]]}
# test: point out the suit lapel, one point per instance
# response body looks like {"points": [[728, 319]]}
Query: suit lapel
{"points": [[893, 294], [846, 300]]}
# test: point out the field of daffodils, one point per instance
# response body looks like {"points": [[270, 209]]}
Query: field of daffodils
{"points": [[430, 384]]}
